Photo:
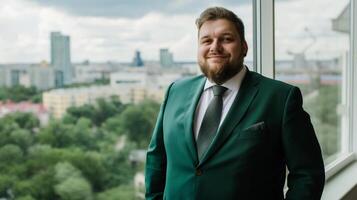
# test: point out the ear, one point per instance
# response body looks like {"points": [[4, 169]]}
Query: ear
{"points": [[244, 48]]}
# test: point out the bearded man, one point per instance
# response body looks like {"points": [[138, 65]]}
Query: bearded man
{"points": [[231, 133]]}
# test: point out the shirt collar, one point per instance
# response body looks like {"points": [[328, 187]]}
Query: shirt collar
{"points": [[232, 84]]}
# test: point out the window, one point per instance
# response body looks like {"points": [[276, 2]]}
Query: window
{"points": [[312, 51], [94, 143]]}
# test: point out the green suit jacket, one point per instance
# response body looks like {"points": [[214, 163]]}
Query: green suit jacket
{"points": [[265, 131]]}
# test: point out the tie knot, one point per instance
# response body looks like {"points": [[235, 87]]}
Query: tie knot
{"points": [[218, 90]]}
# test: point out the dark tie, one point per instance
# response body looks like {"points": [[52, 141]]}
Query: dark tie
{"points": [[210, 122]]}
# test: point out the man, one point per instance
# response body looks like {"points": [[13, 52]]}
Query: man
{"points": [[231, 133]]}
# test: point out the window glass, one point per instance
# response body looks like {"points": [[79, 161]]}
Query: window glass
{"points": [[81, 83], [312, 50]]}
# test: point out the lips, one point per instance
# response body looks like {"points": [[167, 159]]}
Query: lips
{"points": [[217, 56]]}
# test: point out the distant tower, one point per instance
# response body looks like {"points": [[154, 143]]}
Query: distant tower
{"points": [[137, 61], [61, 58], [166, 58]]}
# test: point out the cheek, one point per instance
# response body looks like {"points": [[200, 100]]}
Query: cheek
{"points": [[202, 51]]}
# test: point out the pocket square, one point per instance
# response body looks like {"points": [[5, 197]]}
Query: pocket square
{"points": [[256, 127]]}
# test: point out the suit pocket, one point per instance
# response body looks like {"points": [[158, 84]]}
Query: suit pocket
{"points": [[256, 130]]}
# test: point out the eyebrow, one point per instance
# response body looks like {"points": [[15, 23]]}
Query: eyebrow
{"points": [[224, 34]]}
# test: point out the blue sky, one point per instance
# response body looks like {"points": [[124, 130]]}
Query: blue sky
{"points": [[103, 30]]}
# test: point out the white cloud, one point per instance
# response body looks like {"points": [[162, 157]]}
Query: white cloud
{"points": [[25, 37], [294, 17]]}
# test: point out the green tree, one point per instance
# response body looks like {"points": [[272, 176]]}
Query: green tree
{"points": [[56, 134], [92, 167], [6, 183], [74, 188], [113, 125], [83, 134], [117, 163], [64, 170], [139, 121], [27, 197], [22, 138], [7, 126], [87, 111], [42, 157], [18, 93], [23, 188], [10, 154], [42, 184], [97, 113], [323, 111], [25, 120], [123, 192]]}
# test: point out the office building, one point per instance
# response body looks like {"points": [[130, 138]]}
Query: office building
{"points": [[137, 61], [40, 75], [61, 58], [166, 58]]}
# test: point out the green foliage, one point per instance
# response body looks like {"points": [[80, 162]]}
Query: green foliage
{"points": [[139, 121], [97, 113], [27, 197], [23, 187], [323, 111], [74, 188], [64, 170], [42, 184], [25, 120], [87, 111], [20, 93], [7, 126], [22, 138], [6, 183], [56, 134], [83, 156], [92, 166], [10, 154], [118, 164], [124, 192]]}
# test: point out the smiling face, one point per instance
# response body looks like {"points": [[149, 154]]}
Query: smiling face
{"points": [[220, 50]]}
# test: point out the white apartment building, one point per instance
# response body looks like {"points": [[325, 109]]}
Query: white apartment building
{"points": [[59, 100]]}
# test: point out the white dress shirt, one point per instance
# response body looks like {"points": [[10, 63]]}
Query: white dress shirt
{"points": [[233, 86]]}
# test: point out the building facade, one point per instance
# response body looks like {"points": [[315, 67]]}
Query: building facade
{"points": [[61, 58]]}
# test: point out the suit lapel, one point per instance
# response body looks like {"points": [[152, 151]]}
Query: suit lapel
{"points": [[245, 96], [193, 97]]}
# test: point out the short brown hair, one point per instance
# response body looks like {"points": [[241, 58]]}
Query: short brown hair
{"points": [[215, 13]]}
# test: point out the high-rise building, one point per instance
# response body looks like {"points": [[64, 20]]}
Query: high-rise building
{"points": [[137, 61], [166, 58], [61, 58]]}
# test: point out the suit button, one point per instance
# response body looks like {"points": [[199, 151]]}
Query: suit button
{"points": [[198, 172]]}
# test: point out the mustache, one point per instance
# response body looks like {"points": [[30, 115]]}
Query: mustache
{"points": [[217, 55]]}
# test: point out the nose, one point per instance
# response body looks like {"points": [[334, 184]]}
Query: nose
{"points": [[216, 47]]}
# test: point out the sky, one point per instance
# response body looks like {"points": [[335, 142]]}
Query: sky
{"points": [[112, 30]]}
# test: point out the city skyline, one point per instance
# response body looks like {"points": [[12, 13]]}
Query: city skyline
{"points": [[116, 37]]}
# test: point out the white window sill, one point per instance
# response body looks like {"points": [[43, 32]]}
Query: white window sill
{"points": [[341, 177]]}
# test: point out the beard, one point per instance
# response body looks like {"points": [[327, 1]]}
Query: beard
{"points": [[220, 74]]}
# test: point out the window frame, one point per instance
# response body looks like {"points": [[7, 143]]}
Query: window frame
{"points": [[264, 63]]}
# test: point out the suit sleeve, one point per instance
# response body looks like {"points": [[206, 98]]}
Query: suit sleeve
{"points": [[302, 151], [155, 170]]}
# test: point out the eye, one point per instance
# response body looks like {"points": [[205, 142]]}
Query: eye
{"points": [[205, 41], [228, 39]]}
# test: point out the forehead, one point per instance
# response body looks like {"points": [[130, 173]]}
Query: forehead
{"points": [[217, 27]]}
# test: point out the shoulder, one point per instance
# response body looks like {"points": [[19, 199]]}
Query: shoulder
{"points": [[187, 82], [269, 84]]}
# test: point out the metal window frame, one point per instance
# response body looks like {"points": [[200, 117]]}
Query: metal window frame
{"points": [[263, 40], [353, 79]]}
